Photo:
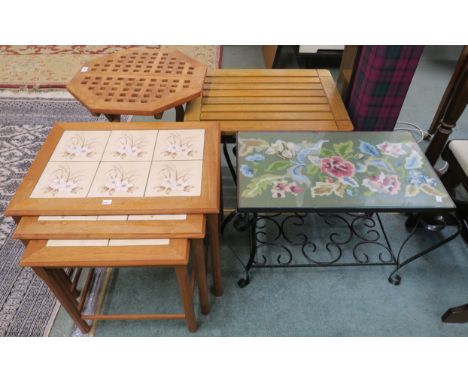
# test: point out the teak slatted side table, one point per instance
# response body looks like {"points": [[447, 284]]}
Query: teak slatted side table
{"points": [[270, 99], [138, 81]]}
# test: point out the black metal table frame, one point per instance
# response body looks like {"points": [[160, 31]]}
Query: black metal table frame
{"points": [[254, 221]]}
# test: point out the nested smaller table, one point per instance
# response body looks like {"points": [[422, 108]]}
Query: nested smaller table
{"points": [[345, 179], [140, 81]]}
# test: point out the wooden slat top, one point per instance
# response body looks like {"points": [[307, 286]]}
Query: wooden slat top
{"points": [[30, 228], [37, 254], [273, 99], [139, 81], [207, 201]]}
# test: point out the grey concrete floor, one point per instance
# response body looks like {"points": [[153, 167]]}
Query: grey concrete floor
{"points": [[280, 302]]}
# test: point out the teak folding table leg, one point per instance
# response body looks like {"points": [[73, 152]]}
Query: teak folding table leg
{"points": [[187, 297], [213, 232], [200, 269], [63, 295]]}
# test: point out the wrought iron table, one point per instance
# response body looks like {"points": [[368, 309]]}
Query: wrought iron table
{"points": [[337, 183]]}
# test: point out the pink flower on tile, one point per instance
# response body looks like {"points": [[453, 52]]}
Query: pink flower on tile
{"points": [[391, 149], [337, 167], [279, 188], [382, 183], [294, 189]]}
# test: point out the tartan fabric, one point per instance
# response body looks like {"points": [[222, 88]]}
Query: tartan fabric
{"points": [[383, 76]]}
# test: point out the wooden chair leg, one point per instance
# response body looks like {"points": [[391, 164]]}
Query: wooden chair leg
{"points": [[199, 253], [213, 232], [65, 297], [187, 297]]}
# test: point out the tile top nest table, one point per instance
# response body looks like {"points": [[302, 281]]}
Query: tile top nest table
{"points": [[138, 81], [345, 179], [123, 169]]}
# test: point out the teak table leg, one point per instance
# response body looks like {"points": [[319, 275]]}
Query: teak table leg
{"points": [[179, 113], [64, 296], [213, 232], [200, 269], [187, 297], [113, 117]]}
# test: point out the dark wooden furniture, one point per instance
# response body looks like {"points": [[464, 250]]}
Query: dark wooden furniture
{"points": [[462, 64], [455, 107], [456, 154]]}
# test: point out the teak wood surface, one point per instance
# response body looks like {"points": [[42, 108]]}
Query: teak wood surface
{"points": [[207, 203], [138, 81], [37, 254], [30, 228], [270, 99]]}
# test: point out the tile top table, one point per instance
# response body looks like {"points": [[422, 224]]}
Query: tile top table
{"points": [[127, 168], [362, 171], [138, 81], [270, 99]]}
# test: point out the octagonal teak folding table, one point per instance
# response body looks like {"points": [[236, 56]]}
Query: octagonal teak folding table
{"points": [[139, 81]]}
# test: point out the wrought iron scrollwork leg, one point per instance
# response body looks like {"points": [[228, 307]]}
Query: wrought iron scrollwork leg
{"points": [[394, 278], [229, 163], [253, 252]]}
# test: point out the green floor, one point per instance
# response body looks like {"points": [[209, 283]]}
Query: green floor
{"points": [[349, 301]]}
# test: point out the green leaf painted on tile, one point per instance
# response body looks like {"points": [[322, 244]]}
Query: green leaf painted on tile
{"points": [[258, 185], [326, 152], [311, 169], [344, 148], [279, 165]]}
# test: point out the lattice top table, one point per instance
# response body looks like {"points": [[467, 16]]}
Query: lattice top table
{"points": [[125, 168], [336, 171], [138, 81]]}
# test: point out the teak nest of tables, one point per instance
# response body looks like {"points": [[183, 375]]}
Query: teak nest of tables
{"points": [[96, 191]]}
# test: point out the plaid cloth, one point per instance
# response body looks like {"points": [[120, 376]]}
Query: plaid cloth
{"points": [[381, 81]]}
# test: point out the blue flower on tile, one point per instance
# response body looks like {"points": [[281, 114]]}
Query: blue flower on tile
{"points": [[255, 158], [379, 163], [349, 181], [361, 167], [413, 161], [349, 192], [417, 178], [369, 149], [246, 171]]}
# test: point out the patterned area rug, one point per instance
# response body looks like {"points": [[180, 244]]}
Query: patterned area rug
{"points": [[27, 307], [52, 66]]}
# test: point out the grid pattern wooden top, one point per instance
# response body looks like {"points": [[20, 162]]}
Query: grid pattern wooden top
{"points": [[139, 81], [22, 204], [270, 99]]}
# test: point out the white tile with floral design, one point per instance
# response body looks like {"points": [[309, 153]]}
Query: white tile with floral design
{"points": [[175, 178], [65, 180], [81, 146], [130, 145], [180, 145], [121, 179]]}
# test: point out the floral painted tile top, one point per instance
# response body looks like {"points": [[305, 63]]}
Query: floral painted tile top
{"points": [[130, 145], [370, 170], [180, 145], [178, 178], [80, 146], [120, 179], [65, 180]]}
